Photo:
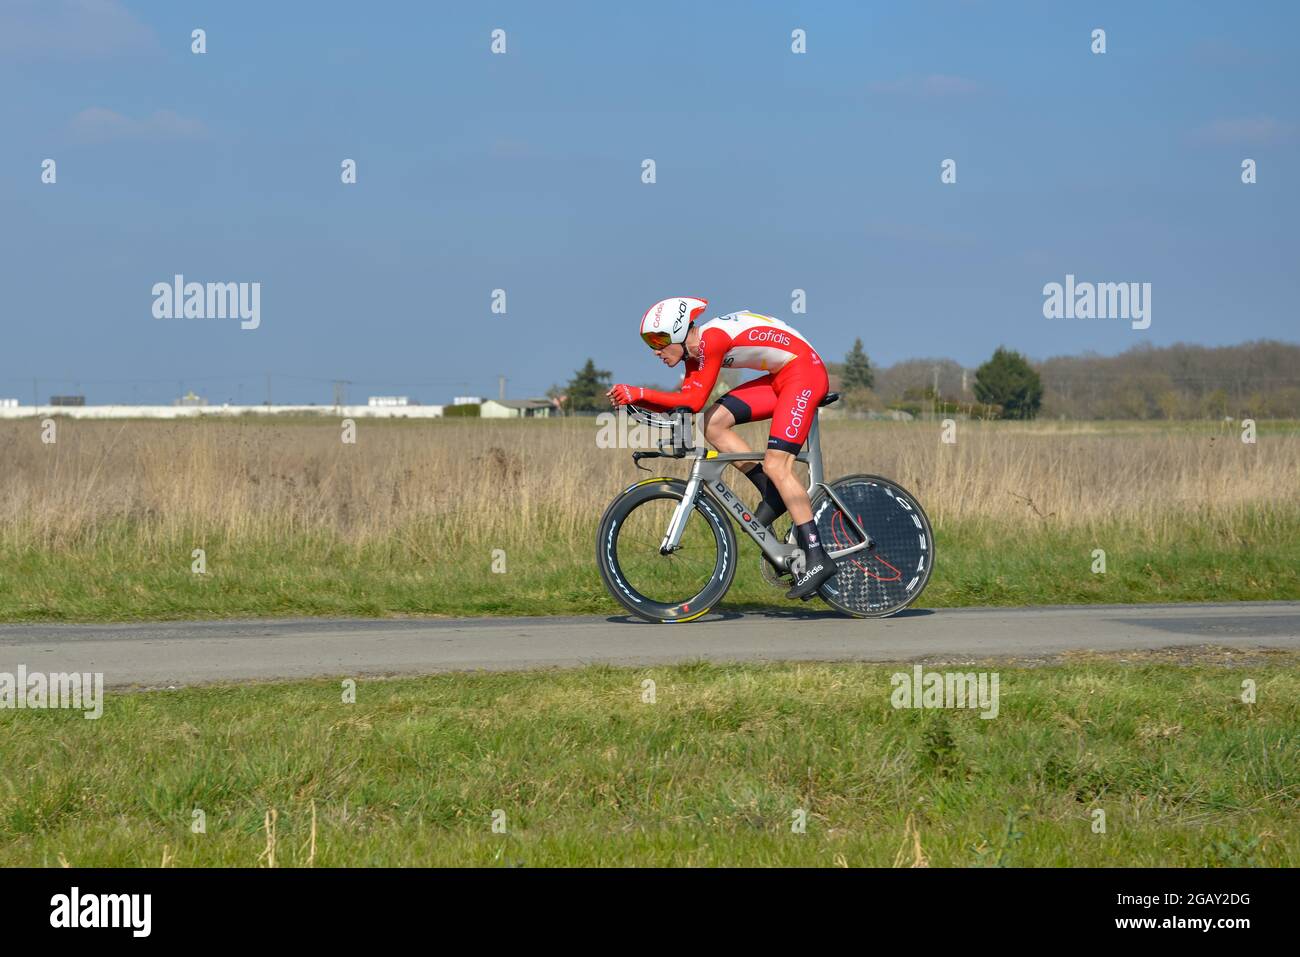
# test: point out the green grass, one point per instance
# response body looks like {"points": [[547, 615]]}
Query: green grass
{"points": [[978, 563], [709, 774]]}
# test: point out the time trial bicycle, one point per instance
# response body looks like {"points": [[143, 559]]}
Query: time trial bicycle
{"points": [[667, 553]]}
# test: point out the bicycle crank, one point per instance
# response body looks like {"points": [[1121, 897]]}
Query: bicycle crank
{"points": [[772, 575]]}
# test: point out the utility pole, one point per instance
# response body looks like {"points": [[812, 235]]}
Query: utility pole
{"points": [[341, 392], [501, 382], [268, 389]]}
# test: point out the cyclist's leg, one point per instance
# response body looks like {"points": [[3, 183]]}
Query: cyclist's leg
{"points": [[778, 465], [746, 403], [719, 425], [797, 390], [799, 387], [749, 402]]}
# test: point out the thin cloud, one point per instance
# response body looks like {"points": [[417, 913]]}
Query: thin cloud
{"points": [[99, 125], [930, 85], [1244, 131], [71, 30]]}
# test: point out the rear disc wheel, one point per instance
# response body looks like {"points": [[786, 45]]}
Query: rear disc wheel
{"points": [[886, 577]]}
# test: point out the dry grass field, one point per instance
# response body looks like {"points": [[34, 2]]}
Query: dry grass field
{"points": [[102, 523]]}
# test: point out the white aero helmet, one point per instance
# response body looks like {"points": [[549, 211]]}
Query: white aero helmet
{"points": [[668, 320]]}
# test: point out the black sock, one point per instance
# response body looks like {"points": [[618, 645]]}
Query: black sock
{"points": [[759, 478], [808, 536], [773, 506]]}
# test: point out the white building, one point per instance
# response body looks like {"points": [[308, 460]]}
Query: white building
{"points": [[389, 401], [516, 409]]}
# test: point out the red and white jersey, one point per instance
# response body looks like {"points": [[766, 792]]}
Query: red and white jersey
{"points": [[741, 340], [752, 341]]}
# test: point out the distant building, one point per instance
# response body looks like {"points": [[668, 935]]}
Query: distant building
{"points": [[516, 409], [67, 400], [467, 400], [190, 400], [389, 401], [8, 403]]}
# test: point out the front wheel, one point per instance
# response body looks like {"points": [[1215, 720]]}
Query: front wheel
{"points": [[680, 586], [889, 575]]}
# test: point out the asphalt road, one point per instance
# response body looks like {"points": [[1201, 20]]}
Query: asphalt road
{"points": [[170, 654]]}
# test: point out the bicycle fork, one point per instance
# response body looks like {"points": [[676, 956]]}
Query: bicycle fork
{"points": [[851, 518], [673, 537]]}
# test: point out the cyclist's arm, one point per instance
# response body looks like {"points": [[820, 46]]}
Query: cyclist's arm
{"points": [[698, 382]]}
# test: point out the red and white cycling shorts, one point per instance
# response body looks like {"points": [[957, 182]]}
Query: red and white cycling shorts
{"points": [[789, 398]]}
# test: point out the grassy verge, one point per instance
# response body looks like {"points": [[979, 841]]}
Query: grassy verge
{"points": [[712, 772], [1255, 556]]}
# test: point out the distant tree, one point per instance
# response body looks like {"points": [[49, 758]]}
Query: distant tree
{"points": [[1253, 379], [857, 373], [1216, 404], [910, 374], [586, 390], [1008, 380], [1251, 376], [860, 400]]}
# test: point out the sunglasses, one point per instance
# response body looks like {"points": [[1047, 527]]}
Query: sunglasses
{"points": [[657, 340]]}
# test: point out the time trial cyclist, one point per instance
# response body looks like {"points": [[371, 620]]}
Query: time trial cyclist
{"points": [[789, 393]]}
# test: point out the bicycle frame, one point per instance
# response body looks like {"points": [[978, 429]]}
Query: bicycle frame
{"points": [[706, 474]]}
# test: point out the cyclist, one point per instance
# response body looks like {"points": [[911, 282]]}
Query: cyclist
{"points": [[788, 394]]}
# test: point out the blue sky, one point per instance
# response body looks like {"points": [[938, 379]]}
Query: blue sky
{"points": [[522, 171]]}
